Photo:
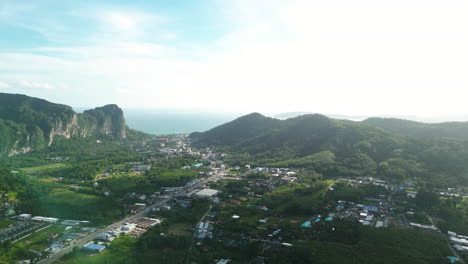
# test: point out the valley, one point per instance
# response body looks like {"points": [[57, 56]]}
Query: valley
{"points": [[256, 190]]}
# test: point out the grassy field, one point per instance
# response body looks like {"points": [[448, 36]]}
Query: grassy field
{"points": [[119, 252], [65, 203], [42, 168], [180, 230], [5, 222], [38, 240]]}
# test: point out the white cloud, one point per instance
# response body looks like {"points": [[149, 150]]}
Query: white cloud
{"points": [[35, 85], [4, 85], [121, 21], [360, 57]]}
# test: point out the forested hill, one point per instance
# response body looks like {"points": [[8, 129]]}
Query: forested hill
{"points": [[421, 130], [245, 127], [338, 147], [28, 123]]}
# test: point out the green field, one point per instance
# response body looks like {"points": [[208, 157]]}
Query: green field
{"points": [[42, 168], [5, 222], [64, 203], [38, 240], [120, 251], [180, 229]]}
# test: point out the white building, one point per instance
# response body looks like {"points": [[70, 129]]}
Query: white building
{"points": [[206, 193], [24, 216]]}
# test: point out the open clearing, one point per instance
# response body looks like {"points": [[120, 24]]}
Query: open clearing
{"points": [[42, 168], [180, 230]]}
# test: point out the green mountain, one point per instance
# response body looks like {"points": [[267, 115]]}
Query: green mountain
{"points": [[28, 123], [231, 133], [338, 148], [421, 130]]}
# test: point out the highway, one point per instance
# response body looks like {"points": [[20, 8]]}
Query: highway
{"points": [[85, 240]]}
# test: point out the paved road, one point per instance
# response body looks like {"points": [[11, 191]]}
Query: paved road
{"points": [[85, 240], [195, 233], [448, 240]]}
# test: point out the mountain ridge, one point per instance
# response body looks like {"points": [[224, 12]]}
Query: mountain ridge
{"points": [[29, 123], [357, 148], [453, 129]]}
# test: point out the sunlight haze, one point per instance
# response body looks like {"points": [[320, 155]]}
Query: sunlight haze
{"points": [[348, 57]]}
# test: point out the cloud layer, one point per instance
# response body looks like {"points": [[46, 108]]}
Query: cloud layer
{"points": [[360, 57]]}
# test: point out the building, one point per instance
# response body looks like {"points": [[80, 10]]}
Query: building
{"points": [[223, 261], [45, 219], [142, 167], [461, 248], [206, 193], [371, 208], [95, 248], [128, 227], [24, 216], [459, 241], [106, 237]]}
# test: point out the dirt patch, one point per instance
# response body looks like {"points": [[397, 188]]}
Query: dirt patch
{"points": [[180, 230]]}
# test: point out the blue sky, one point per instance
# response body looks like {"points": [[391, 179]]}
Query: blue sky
{"points": [[402, 57]]}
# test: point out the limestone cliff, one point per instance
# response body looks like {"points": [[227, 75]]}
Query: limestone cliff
{"points": [[28, 123]]}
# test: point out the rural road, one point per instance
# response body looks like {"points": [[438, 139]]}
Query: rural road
{"points": [[85, 240]]}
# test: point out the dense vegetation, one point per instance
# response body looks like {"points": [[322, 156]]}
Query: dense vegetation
{"points": [[168, 242], [421, 130], [28, 123], [384, 245], [339, 148]]}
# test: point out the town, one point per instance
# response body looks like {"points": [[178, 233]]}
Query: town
{"points": [[240, 206]]}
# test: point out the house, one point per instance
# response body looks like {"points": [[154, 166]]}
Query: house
{"points": [[371, 208], [105, 237], [206, 193], [212, 214], [223, 261], [379, 224], [95, 248], [45, 219], [24, 217], [459, 241], [128, 227], [142, 167]]}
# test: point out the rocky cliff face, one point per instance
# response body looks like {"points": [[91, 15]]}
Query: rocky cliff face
{"points": [[28, 123]]}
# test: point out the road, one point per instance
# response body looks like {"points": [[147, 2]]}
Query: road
{"points": [[195, 233], [85, 240], [448, 240]]}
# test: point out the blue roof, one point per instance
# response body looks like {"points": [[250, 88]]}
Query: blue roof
{"points": [[328, 219], [317, 220], [371, 208], [306, 224], [96, 247], [197, 165], [453, 259]]}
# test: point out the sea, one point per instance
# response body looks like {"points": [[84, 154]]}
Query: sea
{"points": [[174, 122], [169, 121]]}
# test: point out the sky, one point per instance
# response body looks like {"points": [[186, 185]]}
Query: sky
{"points": [[361, 57]]}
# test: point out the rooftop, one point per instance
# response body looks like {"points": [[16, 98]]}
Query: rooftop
{"points": [[94, 247], [207, 193]]}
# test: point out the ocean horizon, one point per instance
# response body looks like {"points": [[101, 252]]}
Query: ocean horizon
{"points": [[173, 122]]}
